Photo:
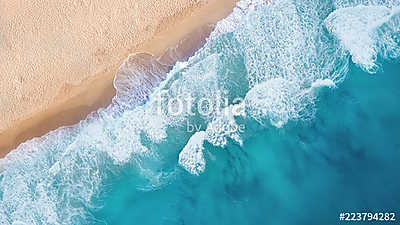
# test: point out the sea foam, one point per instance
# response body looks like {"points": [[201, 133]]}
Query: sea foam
{"points": [[191, 156], [356, 28]]}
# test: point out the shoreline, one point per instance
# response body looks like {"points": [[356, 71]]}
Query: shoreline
{"points": [[75, 101]]}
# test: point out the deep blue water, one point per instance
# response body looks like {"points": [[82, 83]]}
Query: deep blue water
{"points": [[314, 84]]}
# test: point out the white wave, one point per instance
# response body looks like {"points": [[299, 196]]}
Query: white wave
{"points": [[224, 126], [322, 83], [191, 157], [355, 27], [276, 100], [279, 100], [352, 3]]}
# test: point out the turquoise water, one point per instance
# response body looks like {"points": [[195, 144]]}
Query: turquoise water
{"points": [[314, 84], [346, 159]]}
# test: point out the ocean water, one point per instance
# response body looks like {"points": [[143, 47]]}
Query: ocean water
{"points": [[289, 114]]}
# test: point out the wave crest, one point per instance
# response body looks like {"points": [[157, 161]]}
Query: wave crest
{"points": [[356, 28]]}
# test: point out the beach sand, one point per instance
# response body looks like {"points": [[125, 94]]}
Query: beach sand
{"points": [[58, 58]]}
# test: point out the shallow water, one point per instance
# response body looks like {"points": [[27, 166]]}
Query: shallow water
{"points": [[320, 117]]}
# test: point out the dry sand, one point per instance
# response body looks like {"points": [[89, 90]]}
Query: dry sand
{"points": [[58, 58]]}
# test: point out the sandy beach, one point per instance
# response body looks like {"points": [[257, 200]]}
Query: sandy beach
{"points": [[58, 58]]}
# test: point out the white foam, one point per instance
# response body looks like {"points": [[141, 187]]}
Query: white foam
{"points": [[2, 165], [19, 223], [352, 3], [136, 78], [224, 126], [323, 83], [234, 20], [276, 100], [355, 27], [191, 157]]}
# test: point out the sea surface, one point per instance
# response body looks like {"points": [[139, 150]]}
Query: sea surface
{"points": [[289, 114]]}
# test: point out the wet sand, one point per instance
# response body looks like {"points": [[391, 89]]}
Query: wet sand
{"points": [[37, 95]]}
